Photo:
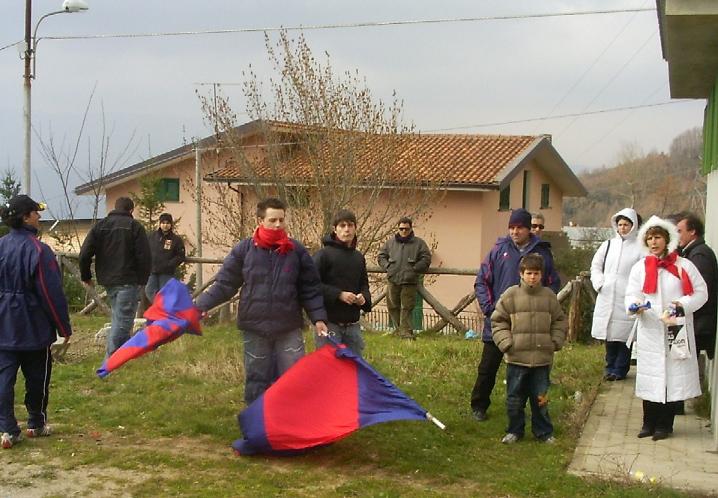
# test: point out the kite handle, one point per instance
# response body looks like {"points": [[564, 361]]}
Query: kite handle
{"points": [[435, 420]]}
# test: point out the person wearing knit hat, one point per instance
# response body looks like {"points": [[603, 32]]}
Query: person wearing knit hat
{"points": [[520, 218], [498, 272], [167, 249], [666, 370]]}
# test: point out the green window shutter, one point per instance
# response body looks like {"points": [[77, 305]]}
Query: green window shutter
{"points": [[545, 195], [505, 198], [710, 133], [169, 190]]}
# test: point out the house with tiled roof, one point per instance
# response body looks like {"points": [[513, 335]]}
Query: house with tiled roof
{"points": [[482, 178]]}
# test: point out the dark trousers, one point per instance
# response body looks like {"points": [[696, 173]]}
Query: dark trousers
{"points": [[618, 358], [400, 301], [489, 365], [36, 367], [528, 383], [658, 417]]}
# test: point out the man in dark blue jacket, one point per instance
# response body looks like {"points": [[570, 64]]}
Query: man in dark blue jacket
{"points": [[33, 310], [278, 279], [119, 245], [498, 272]]}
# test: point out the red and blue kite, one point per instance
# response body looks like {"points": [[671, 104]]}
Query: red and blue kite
{"points": [[322, 398], [172, 314]]}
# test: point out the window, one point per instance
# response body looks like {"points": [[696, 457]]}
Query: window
{"points": [[525, 201], [545, 197], [505, 198], [168, 190]]}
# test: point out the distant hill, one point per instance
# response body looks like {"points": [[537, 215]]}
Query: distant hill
{"points": [[653, 183]]}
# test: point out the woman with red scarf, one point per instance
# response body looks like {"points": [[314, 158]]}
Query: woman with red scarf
{"points": [[675, 289]]}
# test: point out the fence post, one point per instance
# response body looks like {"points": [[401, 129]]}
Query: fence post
{"points": [[574, 310]]}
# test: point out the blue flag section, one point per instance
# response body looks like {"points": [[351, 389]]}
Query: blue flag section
{"points": [[172, 314], [323, 398]]}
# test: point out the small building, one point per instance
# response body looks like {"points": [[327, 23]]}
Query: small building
{"points": [[481, 178]]}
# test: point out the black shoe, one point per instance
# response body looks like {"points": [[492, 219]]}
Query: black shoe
{"points": [[658, 435], [480, 415], [645, 432], [609, 377]]}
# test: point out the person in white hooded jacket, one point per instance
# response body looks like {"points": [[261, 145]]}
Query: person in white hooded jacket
{"points": [[609, 275], [674, 287]]}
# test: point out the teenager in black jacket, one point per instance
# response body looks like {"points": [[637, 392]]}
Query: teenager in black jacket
{"points": [[167, 254], [345, 284]]}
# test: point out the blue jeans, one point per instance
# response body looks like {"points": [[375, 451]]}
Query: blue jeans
{"points": [[123, 301], [349, 335], [155, 283], [36, 367], [618, 358], [530, 383], [267, 358]]}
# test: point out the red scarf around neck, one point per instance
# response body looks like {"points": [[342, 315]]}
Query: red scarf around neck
{"points": [[650, 284], [269, 239]]}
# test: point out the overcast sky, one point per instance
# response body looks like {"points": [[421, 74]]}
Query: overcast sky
{"points": [[451, 75]]}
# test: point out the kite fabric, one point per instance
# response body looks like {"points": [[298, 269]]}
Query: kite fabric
{"points": [[172, 314], [322, 398]]}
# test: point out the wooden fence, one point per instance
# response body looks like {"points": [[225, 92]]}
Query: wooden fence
{"points": [[573, 292]]}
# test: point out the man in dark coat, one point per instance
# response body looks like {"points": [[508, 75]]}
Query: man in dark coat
{"points": [[167, 250], [278, 279], [692, 246], [33, 311], [405, 258], [345, 283], [498, 272], [119, 245]]}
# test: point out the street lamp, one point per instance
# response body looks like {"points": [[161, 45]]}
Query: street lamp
{"points": [[68, 6]]}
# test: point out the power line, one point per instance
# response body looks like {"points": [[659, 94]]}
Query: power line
{"points": [[611, 80], [558, 116], [613, 128], [350, 25], [593, 64]]}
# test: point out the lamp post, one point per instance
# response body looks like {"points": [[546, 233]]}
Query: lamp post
{"points": [[68, 6]]}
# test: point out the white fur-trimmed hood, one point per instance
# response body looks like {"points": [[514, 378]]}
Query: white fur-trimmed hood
{"points": [[655, 221], [629, 213]]}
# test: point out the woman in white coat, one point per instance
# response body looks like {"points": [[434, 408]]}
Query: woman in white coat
{"points": [[674, 287], [609, 276]]}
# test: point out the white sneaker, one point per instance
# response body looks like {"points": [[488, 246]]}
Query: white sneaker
{"points": [[509, 438], [550, 440], [45, 430], [8, 440]]}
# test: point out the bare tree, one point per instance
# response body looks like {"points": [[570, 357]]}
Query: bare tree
{"points": [[328, 144], [63, 158]]}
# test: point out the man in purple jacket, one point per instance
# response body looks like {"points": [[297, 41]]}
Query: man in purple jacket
{"points": [[278, 279], [498, 272]]}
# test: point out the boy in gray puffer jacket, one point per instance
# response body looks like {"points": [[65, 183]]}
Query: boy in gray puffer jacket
{"points": [[528, 325]]}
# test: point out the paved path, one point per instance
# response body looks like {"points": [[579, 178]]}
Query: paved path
{"points": [[609, 448]]}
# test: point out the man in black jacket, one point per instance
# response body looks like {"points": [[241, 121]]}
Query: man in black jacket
{"points": [[345, 284], [119, 245], [167, 250], [693, 247]]}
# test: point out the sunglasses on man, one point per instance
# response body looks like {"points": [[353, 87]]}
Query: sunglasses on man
{"points": [[540, 226]]}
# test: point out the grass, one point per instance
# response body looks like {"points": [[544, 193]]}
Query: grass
{"points": [[162, 426]]}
